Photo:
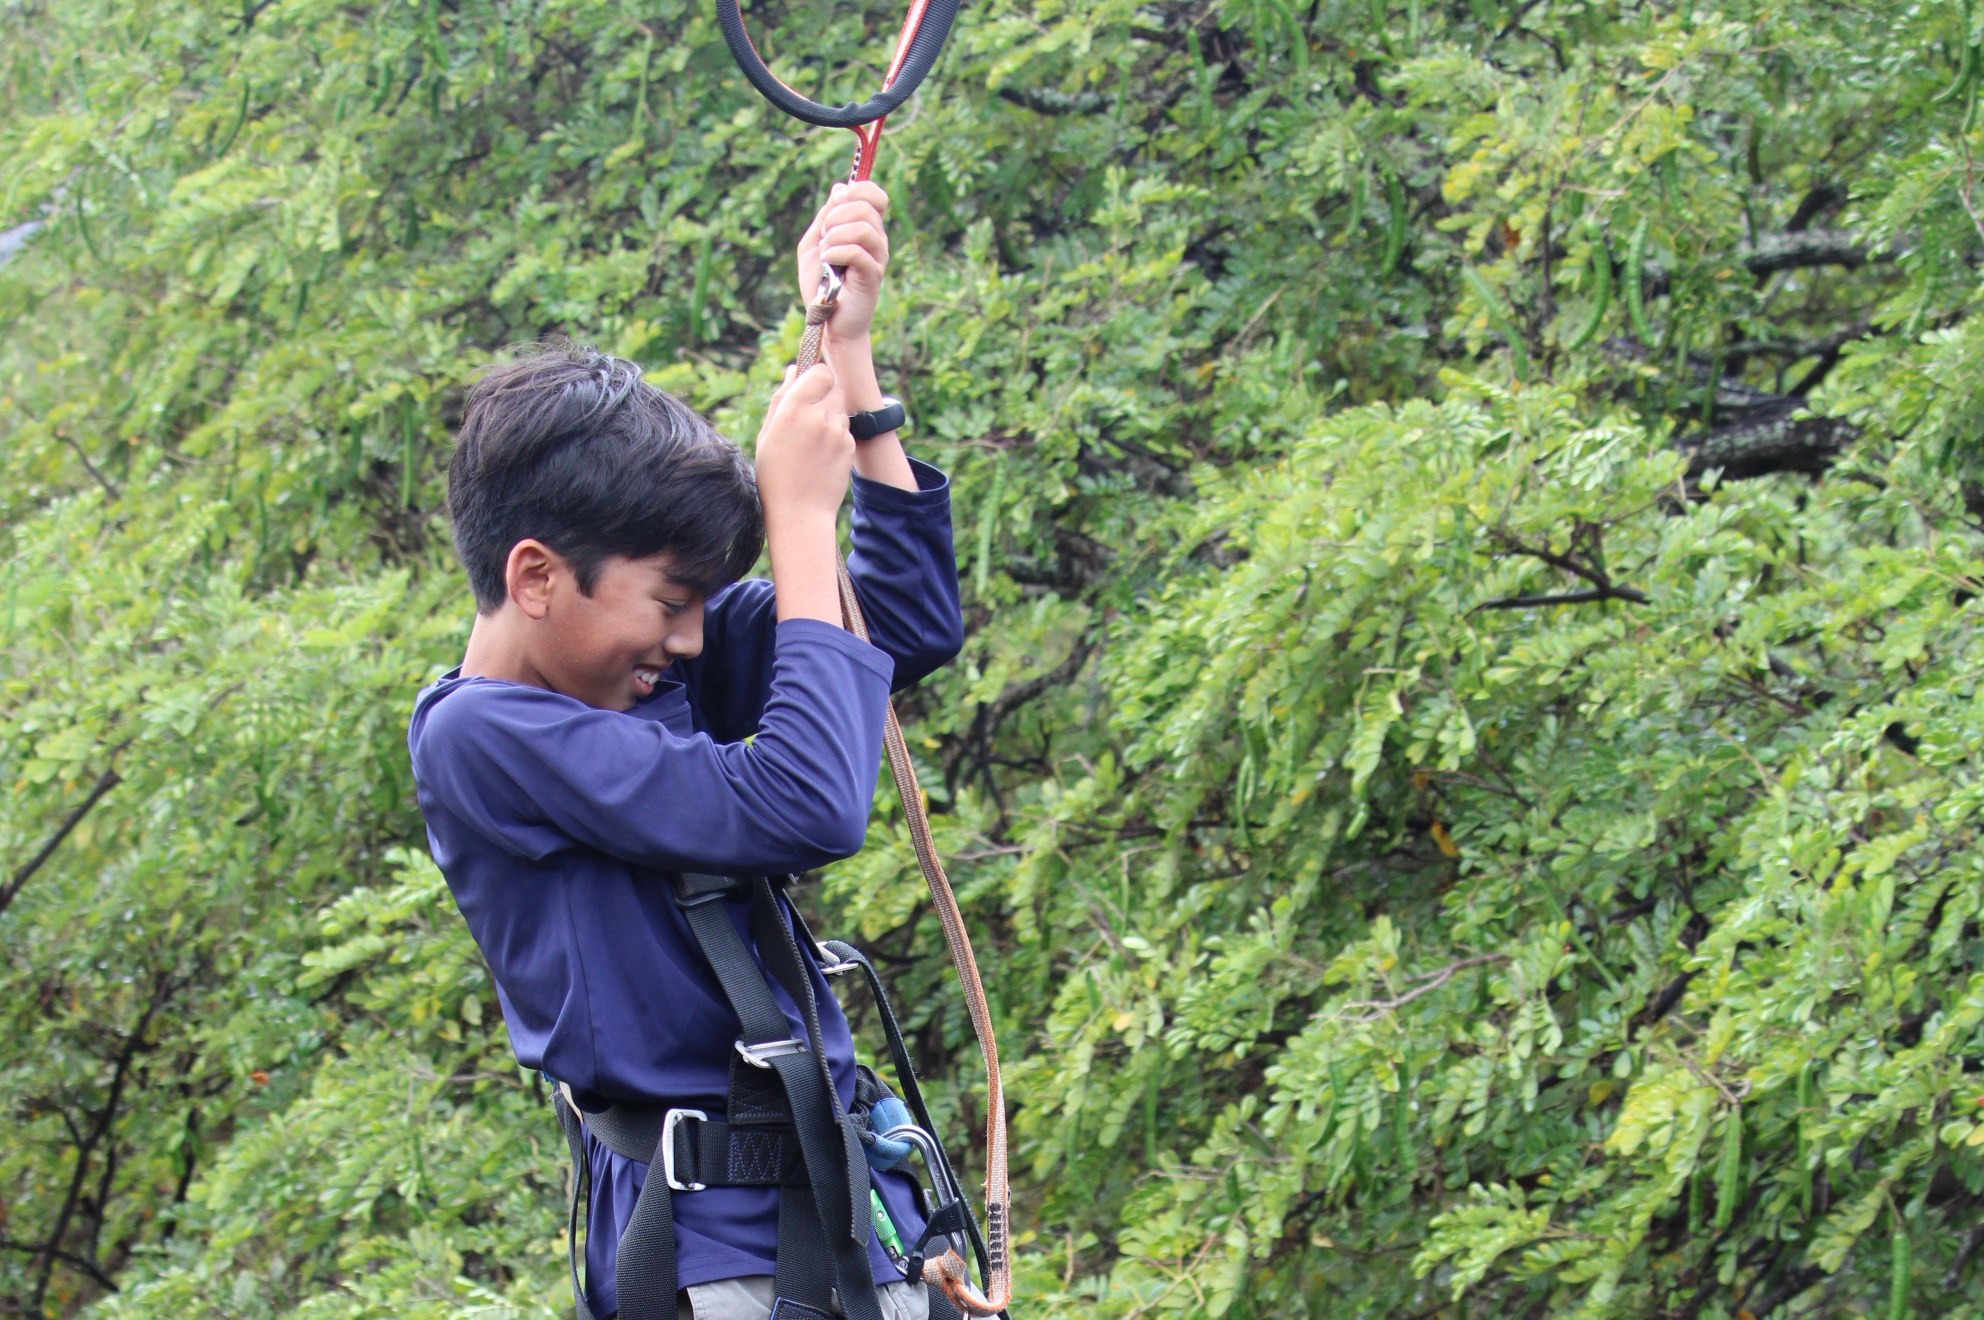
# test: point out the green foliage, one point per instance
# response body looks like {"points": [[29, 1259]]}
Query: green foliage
{"points": [[1467, 787]]}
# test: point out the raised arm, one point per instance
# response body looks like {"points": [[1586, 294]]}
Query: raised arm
{"points": [[536, 771], [901, 558], [905, 574]]}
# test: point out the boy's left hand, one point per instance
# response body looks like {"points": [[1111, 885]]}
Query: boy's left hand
{"points": [[848, 232]]}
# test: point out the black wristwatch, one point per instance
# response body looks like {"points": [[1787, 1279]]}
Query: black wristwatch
{"points": [[878, 421]]}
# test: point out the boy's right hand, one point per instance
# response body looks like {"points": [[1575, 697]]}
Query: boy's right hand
{"points": [[805, 451]]}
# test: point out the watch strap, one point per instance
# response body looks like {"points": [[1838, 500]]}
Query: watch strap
{"points": [[877, 421]]}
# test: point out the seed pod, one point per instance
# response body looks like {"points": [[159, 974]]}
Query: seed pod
{"points": [[1601, 271], [240, 118], [1402, 1150], [981, 568], [1904, 1263], [1336, 1095], [83, 217], [1804, 1148], [1966, 70], [1394, 224], [1966, 67], [1497, 317], [387, 77], [699, 289], [1635, 283], [1729, 1172], [406, 459]]}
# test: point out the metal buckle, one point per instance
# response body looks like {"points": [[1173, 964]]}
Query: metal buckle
{"points": [[669, 1122], [760, 1056], [830, 965]]}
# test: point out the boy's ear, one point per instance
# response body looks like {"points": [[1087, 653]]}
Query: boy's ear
{"points": [[530, 574]]}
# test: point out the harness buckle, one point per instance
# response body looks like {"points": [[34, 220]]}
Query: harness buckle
{"points": [[692, 889], [669, 1122], [831, 964], [760, 1056]]}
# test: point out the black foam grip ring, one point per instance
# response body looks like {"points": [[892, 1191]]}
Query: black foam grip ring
{"points": [[924, 48]]}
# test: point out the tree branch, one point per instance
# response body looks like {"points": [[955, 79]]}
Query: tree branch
{"points": [[1603, 587], [1662, 1002], [104, 1126], [88, 466], [1043, 101], [249, 13], [1021, 693], [1567, 598], [108, 780], [1429, 982], [1793, 349], [69, 1258], [1775, 441], [1797, 1281], [1791, 251], [1762, 433], [1825, 197], [1965, 1250]]}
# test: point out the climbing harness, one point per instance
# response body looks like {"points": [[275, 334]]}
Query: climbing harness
{"points": [[924, 29], [783, 1126]]}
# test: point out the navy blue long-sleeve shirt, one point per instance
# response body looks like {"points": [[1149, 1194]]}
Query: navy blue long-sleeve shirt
{"points": [[557, 826]]}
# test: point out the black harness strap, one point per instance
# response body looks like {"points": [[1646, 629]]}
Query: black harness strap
{"points": [[644, 1260], [823, 1251], [707, 1151], [784, 1126]]}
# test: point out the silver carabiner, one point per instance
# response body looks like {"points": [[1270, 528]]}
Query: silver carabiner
{"points": [[830, 285], [941, 1178], [944, 1186]]}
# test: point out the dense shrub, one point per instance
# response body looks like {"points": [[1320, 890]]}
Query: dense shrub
{"points": [[1466, 767]]}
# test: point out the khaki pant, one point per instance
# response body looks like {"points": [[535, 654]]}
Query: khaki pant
{"points": [[750, 1298]]}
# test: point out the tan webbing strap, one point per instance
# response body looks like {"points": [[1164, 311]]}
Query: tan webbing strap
{"points": [[948, 1272]]}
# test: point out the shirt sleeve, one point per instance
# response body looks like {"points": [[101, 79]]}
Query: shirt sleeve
{"points": [[904, 572], [538, 771]]}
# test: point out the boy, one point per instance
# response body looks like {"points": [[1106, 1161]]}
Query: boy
{"points": [[588, 757]]}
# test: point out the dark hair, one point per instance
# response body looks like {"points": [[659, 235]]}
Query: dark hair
{"points": [[568, 445]]}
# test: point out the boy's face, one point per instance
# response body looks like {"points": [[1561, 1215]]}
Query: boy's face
{"points": [[608, 649]]}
